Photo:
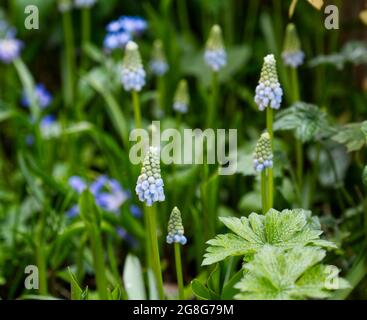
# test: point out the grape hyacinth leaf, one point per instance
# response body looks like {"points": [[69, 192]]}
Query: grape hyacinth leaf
{"points": [[281, 274], [133, 278], [307, 121], [287, 229], [353, 136], [354, 52]]}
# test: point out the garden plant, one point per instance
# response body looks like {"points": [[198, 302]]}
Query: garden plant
{"points": [[183, 149]]}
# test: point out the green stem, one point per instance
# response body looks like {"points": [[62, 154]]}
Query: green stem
{"points": [[136, 104], [155, 250], [40, 256], [299, 156], [98, 261], [179, 271], [161, 94], [182, 14], [269, 126], [264, 201], [148, 249], [213, 102], [295, 85], [85, 34], [314, 175], [69, 59]]}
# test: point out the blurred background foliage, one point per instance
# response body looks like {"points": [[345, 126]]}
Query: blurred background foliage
{"points": [[93, 135]]}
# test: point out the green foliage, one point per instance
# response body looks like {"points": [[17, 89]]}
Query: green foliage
{"points": [[353, 136], [285, 229], [285, 274], [353, 52], [306, 120]]}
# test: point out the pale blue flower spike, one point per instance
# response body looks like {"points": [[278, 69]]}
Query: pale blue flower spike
{"points": [[149, 186], [269, 92], [215, 55], [175, 228], [132, 73]]}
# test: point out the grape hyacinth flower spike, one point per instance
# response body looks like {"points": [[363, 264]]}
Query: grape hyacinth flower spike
{"points": [[84, 3], [263, 156], [175, 228], [132, 74], [158, 64], [176, 236], [292, 55], [182, 98], [215, 55], [149, 186], [268, 92], [65, 5]]}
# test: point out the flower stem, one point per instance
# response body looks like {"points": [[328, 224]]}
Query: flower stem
{"points": [[136, 104], [213, 102], [295, 85], [299, 156], [98, 261], [264, 201], [179, 271], [269, 126], [299, 146], [151, 219], [40, 256], [85, 34], [69, 59], [161, 94], [184, 20]]}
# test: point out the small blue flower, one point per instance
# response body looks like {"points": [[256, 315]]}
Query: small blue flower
{"points": [[116, 40], [50, 127], [216, 59], [293, 59], [263, 156], [182, 98], [132, 72], [133, 25], [65, 5], [77, 183], [158, 64], [159, 67], [108, 194], [268, 92], [135, 211], [44, 98], [292, 54], [149, 186], [10, 48], [73, 211], [175, 228], [84, 3], [123, 234], [215, 55]]}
